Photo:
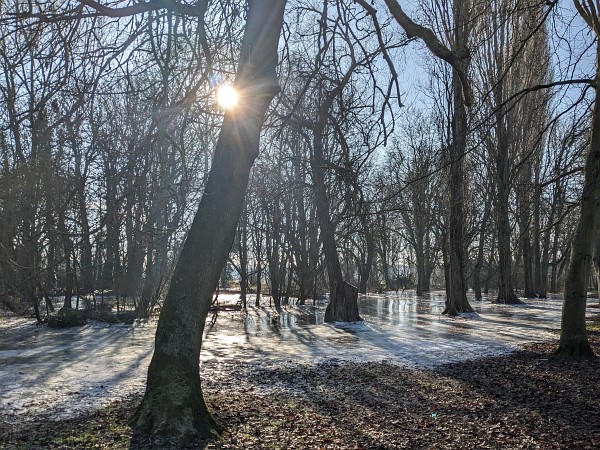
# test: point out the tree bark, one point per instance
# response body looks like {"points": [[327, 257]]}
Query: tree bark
{"points": [[456, 292], [480, 248], [243, 230], [366, 266], [343, 301], [506, 294], [573, 333], [539, 283], [173, 405], [343, 306]]}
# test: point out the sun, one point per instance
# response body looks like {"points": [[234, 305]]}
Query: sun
{"points": [[227, 97]]}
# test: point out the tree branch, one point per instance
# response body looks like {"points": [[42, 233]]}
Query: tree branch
{"points": [[196, 10], [373, 13], [458, 60]]}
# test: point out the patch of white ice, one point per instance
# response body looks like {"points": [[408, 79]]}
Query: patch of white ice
{"points": [[62, 372]]}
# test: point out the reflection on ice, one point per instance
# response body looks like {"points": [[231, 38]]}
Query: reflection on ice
{"points": [[400, 328], [63, 371]]}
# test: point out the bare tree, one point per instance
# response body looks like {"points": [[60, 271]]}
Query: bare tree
{"points": [[573, 333], [173, 403]]}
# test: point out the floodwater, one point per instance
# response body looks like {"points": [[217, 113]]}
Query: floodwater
{"points": [[58, 373]]}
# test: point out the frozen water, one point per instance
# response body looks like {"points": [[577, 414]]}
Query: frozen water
{"points": [[399, 328], [60, 372]]}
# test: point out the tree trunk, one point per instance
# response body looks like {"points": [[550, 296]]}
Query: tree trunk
{"points": [[68, 250], [367, 266], [573, 333], [422, 272], [87, 270], [173, 405], [111, 268], [456, 292], [343, 306], [136, 252], [506, 294], [383, 253], [258, 244], [525, 222], [539, 284], [597, 268], [480, 247], [555, 262], [529, 291]]}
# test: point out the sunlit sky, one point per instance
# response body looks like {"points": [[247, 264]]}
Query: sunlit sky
{"points": [[227, 97]]}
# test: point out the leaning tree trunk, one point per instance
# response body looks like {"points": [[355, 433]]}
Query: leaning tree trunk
{"points": [[573, 333], [173, 405], [343, 297]]}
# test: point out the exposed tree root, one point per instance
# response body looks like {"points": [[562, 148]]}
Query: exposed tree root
{"points": [[510, 299], [574, 350]]}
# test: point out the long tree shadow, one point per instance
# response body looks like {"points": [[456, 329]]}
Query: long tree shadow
{"points": [[534, 385]]}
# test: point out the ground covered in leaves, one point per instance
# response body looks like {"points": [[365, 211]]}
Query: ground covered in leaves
{"points": [[523, 400]]}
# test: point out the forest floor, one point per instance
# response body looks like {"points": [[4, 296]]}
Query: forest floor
{"points": [[525, 399], [509, 399]]}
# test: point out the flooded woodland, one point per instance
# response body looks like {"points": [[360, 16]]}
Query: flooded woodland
{"points": [[299, 224], [59, 375]]}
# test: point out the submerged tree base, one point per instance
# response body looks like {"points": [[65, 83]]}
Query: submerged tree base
{"points": [[508, 299], [457, 310], [343, 306]]}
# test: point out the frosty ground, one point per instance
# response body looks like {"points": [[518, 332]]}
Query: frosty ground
{"points": [[405, 378]]}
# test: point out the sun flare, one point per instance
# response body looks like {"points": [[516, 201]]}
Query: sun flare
{"points": [[227, 97]]}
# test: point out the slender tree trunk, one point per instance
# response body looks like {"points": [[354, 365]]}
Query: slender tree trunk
{"points": [[112, 262], [529, 290], [258, 237], [136, 252], [555, 262], [367, 266], [68, 250], [422, 272], [506, 292], [597, 268], [385, 265], [539, 284], [173, 404], [480, 247], [524, 192], [87, 271], [244, 264]]}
